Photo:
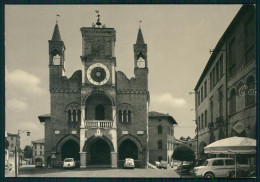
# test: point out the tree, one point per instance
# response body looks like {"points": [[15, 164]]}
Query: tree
{"points": [[182, 138], [183, 153], [28, 151]]}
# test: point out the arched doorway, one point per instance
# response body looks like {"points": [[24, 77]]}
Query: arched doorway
{"points": [[38, 160], [70, 149], [128, 149], [100, 112], [99, 152]]}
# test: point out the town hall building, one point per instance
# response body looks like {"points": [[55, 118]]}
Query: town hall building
{"points": [[97, 116]]}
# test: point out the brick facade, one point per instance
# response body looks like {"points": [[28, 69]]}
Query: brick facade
{"points": [[97, 107]]}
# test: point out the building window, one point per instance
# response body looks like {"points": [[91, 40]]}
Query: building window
{"points": [[232, 102], [40, 146], [159, 158], [211, 109], [124, 116], [159, 144], [74, 115], [211, 81], [199, 123], [79, 115], [206, 118], [129, 116], [199, 98], [202, 121], [35, 152], [217, 72], [221, 67], [205, 89], [250, 40], [69, 115], [250, 92], [159, 129], [214, 76], [232, 59], [12, 138], [100, 112], [40, 152], [12, 145], [120, 116], [201, 92]]}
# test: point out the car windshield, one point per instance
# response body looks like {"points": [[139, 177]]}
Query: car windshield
{"points": [[68, 160], [205, 163]]}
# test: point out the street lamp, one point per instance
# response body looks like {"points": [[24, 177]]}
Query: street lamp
{"points": [[15, 149]]}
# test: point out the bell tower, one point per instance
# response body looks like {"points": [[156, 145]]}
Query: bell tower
{"points": [[56, 57], [140, 59]]}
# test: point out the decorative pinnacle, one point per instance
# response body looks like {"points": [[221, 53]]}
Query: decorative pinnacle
{"points": [[98, 23]]}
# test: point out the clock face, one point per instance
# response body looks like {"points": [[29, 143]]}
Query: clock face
{"points": [[98, 74]]}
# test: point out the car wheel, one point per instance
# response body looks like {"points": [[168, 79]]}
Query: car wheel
{"points": [[209, 175]]}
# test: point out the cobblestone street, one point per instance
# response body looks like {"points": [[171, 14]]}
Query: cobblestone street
{"points": [[31, 171]]}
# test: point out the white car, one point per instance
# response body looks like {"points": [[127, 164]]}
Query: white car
{"points": [[69, 163], [215, 167], [129, 163]]}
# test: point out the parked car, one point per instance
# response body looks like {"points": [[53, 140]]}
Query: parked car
{"points": [[38, 164], [216, 167], [188, 166], [69, 163], [129, 163], [157, 164], [163, 165]]}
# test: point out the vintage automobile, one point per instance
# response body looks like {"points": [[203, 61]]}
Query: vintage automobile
{"points": [[163, 165], [129, 163], [216, 167], [69, 163]]}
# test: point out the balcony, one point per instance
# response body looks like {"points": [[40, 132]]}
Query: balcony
{"points": [[99, 124]]}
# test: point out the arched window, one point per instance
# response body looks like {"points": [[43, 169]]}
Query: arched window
{"points": [[232, 102], [250, 92], [100, 112], [159, 144], [120, 116], [74, 115], [124, 116], [79, 115], [159, 129], [129, 116], [69, 115]]}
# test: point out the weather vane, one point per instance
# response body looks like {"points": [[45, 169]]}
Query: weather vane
{"points": [[57, 15], [140, 24], [98, 20]]}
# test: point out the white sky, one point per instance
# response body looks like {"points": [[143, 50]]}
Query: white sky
{"points": [[179, 38]]}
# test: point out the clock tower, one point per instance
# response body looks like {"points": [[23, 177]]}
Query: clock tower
{"points": [[98, 95]]}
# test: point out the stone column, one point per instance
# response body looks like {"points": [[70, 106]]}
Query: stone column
{"points": [[83, 72], [82, 122], [83, 159], [114, 159], [114, 116]]}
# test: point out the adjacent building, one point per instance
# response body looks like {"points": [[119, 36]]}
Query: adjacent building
{"points": [[161, 136], [226, 90], [14, 141], [98, 116], [38, 151]]}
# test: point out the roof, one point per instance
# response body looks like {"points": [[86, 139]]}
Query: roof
{"points": [[42, 118], [162, 115], [140, 38], [41, 140], [56, 34], [241, 12]]}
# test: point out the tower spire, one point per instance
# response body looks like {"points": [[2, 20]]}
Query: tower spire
{"points": [[140, 38], [56, 33]]}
